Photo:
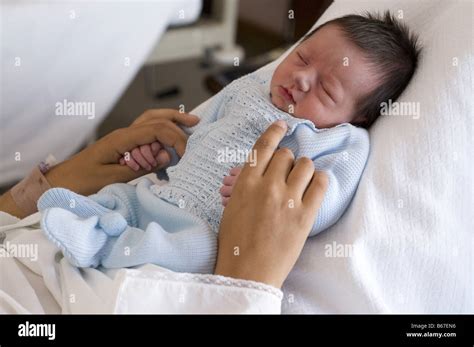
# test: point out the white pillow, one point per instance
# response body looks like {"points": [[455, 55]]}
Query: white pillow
{"points": [[410, 225]]}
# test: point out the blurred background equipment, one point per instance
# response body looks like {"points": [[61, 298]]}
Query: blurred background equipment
{"points": [[254, 31]]}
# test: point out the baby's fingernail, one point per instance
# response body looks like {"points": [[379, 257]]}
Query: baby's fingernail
{"points": [[281, 123]]}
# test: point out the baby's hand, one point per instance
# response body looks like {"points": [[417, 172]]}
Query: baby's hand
{"points": [[146, 157], [228, 184]]}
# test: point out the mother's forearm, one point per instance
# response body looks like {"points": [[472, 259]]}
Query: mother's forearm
{"points": [[8, 205], [21, 200], [84, 174], [71, 175]]}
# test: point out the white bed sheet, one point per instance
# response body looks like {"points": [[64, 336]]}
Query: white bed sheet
{"points": [[410, 224]]}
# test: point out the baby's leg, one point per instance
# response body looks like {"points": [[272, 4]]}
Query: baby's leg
{"points": [[102, 230], [110, 242], [118, 197], [66, 199], [80, 226], [191, 250], [81, 239]]}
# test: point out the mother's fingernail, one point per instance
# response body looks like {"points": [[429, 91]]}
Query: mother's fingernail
{"points": [[281, 123]]}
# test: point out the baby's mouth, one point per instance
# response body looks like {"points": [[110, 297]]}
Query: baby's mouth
{"points": [[286, 95]]}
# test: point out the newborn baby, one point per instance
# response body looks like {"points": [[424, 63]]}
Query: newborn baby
{"points": [[327, 89]]}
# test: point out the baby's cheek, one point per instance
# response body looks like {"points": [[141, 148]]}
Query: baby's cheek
{"points": [[311, 111], [278, 102], [278, 75]]}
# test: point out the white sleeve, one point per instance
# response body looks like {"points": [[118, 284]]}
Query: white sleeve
{"points": [[144, 291], [149, 289], [7, 219]]}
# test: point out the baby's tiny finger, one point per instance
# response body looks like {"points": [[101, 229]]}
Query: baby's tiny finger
{"points": [[155, 147], [132, 164], [137, 155], [229, 180], [225, 201], [163, 157], [145, 150], [235, 171], [226, 190]]}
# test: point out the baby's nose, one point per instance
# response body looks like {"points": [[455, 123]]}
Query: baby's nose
{"points": [[305, 86], [302, 83]]}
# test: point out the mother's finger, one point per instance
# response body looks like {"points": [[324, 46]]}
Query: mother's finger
{"points": [[173, 115], [119, 173], [111, 147], [265, 147], [300, 176], [314, 195], [280, 165]]}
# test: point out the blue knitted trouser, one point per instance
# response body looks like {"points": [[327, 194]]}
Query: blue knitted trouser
{"points": [[124, 226]]}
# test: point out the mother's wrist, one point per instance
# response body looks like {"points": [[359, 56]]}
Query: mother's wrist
{"points": [[26, 193], [64, 175]]}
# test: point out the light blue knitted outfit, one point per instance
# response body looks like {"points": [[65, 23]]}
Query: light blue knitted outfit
{"points": [[175, 225]]}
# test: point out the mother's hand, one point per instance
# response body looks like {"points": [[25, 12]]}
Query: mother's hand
{"points": [[270, 213], [98, 165]]}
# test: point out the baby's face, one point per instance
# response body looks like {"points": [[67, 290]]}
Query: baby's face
{"points": [[322, 79]]}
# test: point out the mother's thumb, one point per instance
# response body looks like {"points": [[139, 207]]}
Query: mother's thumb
{"points": [[189, 120], [163, 158]]}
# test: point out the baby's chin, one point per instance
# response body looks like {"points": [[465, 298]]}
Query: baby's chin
{"points": [[291, 109], [279, 103], [288, 108], [283, 106]]}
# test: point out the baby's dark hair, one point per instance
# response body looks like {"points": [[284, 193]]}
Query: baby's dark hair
{"points": [[390, 47]]}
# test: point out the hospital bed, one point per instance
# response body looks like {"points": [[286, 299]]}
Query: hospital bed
{"points": [[409, 227]]}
